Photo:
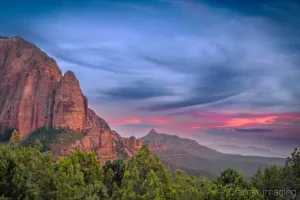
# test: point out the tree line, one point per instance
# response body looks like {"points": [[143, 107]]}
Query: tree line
{"points": [[26, 172]]}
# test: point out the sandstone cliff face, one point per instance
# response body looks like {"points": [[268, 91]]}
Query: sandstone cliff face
{"points": [[157, 147], [132, 144], [28, 80], [93, 120], [69, 107], [99, 142], [34, 93]]}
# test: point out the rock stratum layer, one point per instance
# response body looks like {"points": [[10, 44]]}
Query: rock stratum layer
{"points": [[34, 93]]}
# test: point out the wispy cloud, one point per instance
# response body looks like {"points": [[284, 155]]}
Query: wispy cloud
{"points": [[251, 130]]}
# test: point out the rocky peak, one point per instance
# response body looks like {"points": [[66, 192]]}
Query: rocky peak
{"points": [[70, 77], [69, 107], [152, 132]]}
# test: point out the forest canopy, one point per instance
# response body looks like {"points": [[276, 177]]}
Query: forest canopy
{"points": [[28, 173]]}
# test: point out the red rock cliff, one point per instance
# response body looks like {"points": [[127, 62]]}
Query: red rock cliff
{"points": [[69, 104], [28, 81], [33, 94]]}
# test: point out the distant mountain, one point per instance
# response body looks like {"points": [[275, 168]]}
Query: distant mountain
{"points": [[249, 150], [178, 143], [190, 155]]}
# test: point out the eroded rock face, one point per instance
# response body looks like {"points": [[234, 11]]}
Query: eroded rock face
{"points": [[33, 94], [156, 147], [28, 80], [93, 120], [99, 142], [70, 104], [132, 144]]}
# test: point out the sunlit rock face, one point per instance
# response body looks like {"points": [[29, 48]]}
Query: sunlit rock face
{"points": [[34, 93], [29, 79], [70, 107]]}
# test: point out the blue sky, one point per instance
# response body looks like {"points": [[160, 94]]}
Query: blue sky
{"points": [[219, 71]]}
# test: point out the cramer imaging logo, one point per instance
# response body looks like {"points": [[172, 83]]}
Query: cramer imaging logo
{"points": [[266, 192]]}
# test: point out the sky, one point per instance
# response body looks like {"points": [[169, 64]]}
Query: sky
{"points": [[217, 71]]}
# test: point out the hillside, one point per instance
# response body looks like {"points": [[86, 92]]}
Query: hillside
{"points": [[178, 143], [189, 154]]}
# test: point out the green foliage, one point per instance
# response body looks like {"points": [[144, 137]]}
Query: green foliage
{"points": [[25, 173], [48, 136], [280, 183], [230, 177], [191, 187], [146, 178], [16, 137], [87, 164], [231, 185], [119, 149], [118, 169], [28, 173]]}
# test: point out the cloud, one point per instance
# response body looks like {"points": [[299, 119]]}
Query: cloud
{"points": [[216, 83], [146, 126], [250, 130], [138, 90], [129, 121], [228, 64], [219, 69], [217, 131], [190, 101]]}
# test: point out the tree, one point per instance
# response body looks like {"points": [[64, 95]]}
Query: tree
{"points": [[118, 168], [142, 170], [87, 164], [291, 173], [16, 137], [230, 177], [109, 181], [38, 145], [25, 173], [190, 187], [231, 185]]}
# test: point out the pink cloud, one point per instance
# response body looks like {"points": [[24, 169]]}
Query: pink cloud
{"points": [[129, 121], [161, 121]]}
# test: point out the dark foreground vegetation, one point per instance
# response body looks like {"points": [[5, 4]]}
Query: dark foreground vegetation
{"points": [[29, 173]]}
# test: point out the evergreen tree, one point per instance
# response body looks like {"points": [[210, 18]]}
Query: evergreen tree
{"points": [[138, 172]]}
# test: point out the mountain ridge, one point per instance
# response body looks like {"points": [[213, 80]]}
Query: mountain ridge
{"points": [[190, 155], [174, 141], [245, 150]]}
